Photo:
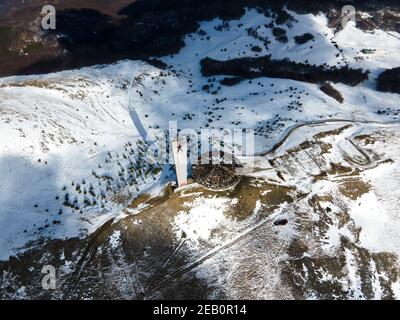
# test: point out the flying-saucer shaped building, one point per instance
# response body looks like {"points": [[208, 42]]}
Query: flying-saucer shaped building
{"points": [[216, 171]]}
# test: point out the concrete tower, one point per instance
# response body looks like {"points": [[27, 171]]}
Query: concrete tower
{"points": [[179, 148]]}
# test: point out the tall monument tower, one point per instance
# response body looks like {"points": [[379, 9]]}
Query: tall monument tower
{"points": [[179, 148]]}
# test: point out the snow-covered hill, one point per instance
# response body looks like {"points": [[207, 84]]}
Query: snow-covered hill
{"points": [[64, 129], [72, 152], [71, 145]]}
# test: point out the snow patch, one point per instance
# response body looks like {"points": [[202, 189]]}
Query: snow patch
{"points": [[204, 215], [115, 239], [369, 214]]}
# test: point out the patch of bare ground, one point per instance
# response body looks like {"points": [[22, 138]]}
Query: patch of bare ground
{"points": [[249, 192], [328, 277], [354, 188], [333, 132], [330, 90], [145, 249]]}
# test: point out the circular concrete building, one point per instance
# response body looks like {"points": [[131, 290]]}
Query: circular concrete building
{"points": [[216, 171]]}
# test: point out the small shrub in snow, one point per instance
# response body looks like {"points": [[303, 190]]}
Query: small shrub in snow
{"points": [[280, 34], [303, 38]]}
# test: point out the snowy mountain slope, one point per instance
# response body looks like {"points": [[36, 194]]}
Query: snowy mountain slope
{"points": [[68, 139], [312, 235], [78, 133]]}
